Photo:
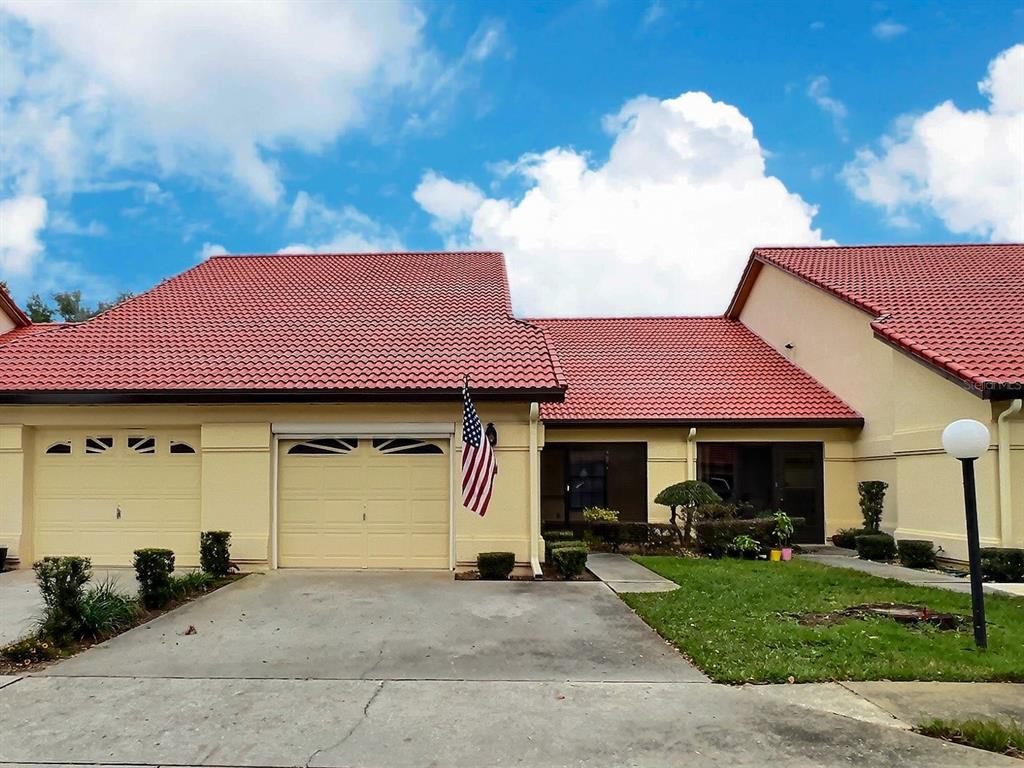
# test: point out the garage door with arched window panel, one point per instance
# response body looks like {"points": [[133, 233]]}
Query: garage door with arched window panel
{"points": [[359, 502]]}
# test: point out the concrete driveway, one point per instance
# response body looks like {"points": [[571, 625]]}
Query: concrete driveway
{"points": [[373, 669]]}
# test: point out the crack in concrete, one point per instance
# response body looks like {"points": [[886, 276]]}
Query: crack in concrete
{"points": [[879, 707], [353, 729]]}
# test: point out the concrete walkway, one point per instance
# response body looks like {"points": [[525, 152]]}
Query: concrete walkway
{"points": [[845, 558], [623, 575], [902, 705]]}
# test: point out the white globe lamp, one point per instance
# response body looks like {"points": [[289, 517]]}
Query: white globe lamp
{"points": [[965, 439]]}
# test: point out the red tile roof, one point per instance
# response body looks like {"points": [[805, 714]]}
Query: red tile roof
{"points": [[688, 369], [329, 324], [959, 308], [26, 330]]}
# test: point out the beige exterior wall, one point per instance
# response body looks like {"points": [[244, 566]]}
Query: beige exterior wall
{"points": [[237, 451], [668, 459], [905, 405], [6, 324]]}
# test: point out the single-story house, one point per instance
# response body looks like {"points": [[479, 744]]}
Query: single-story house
{"points": [[311, 404]]}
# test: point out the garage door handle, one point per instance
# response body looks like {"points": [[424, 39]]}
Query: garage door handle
{"points": [[364, 517]]}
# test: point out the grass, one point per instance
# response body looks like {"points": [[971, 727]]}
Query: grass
{"points": [[737, 621], [1006, 738]]}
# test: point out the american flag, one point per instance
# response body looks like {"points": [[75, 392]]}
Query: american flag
{"points": [[478, 464]]}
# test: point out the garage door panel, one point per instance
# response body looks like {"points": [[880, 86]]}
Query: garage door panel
{"points": [[404, 498], [77, 497]]}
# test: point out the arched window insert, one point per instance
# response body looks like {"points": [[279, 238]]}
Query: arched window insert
{"points": [[325, 446], [406, 445], [98, 444], [179, 447], [142, 444], [62, 447]]}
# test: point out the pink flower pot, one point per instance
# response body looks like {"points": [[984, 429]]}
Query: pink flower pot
{"points": [[787, 553]]}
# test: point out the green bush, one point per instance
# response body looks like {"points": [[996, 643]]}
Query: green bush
{"points": [[600, 514], [106, 610], [714, 537], [153, 569], [745, 545], [847, 537], [570, 561], [185, 585], [554, 546], [214, 552], [876, 546], [495, 566], [1005, 564], [916, 553], [872, 502], [551, 536], [687, 496], [62, 583]]}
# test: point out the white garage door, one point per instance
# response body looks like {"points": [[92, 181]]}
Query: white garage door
{"points": [[347, 502], [104, 493]]}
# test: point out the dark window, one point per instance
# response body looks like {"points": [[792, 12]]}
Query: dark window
{"points": [[574, 476], [588, 476], [177, 447], [406, 445], [63, 447], [325, 446], [98, 444], [142, 444]]}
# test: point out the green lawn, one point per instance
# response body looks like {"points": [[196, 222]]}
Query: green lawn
{"points": [[736, 619]]}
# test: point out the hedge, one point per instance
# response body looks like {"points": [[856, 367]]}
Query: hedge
{"points": [[714, 537], [1005, 564], [916, 553], [214, 552], [876, 546], [153, 569], [569, 561], [495, 566], [847, 537]]}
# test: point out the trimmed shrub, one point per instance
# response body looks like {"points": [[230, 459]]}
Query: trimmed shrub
{"points": [[555, 545], [1005, 564], [847, 537], [570, 561], [876, 546], [495, 566], [916, 553], [714, 537], [687, 496], [153, 569], [872, 502], [62, 583], [551, 536], [106, 610], [214, 552]]}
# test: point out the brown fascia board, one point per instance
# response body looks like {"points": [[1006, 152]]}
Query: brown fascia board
{"points": [[227, 397], [744, 286], [12, 310]]}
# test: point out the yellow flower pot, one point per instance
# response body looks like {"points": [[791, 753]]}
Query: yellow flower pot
{"points": [[776, 555]]}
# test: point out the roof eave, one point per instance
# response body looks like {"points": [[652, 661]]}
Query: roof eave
{"points": [[846, 421], [12, 310], [744, 286], [227, 396]]}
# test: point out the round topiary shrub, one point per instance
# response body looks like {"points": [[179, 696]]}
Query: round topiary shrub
{"points": [[916, 553], [876, 546], [495, 566]]}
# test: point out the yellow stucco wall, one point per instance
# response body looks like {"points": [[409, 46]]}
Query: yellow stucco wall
{"points": [[905, 405], [667, 458], [6, 323], [237, 465]]}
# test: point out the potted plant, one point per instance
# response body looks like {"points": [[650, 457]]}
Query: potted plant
{"points": [[783, 533], [746, 546]]}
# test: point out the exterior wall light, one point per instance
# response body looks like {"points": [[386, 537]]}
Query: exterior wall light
{"points": [[967, 440]]}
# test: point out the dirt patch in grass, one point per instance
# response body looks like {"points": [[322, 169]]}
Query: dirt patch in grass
{"points": [[38, 654], [899, 612]]}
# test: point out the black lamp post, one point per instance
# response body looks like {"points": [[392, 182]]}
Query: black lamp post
{"points": [[967, 440]]}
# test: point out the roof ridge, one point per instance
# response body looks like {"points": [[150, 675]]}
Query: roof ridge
{"points": [[882, 245], [629, 317], [352, 254]]}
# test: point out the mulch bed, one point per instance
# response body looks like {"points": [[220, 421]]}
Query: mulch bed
{"points": [[548, 571], [8, 668], [900, 612]]}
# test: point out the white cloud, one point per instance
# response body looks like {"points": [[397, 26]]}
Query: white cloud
{"points": [[211, 249], [965, 167], [22, 219], [818, 90], [199, 88], [654, 13], [664, 225], [337, 230], [450, 203], [64, 224], [888, 29]]}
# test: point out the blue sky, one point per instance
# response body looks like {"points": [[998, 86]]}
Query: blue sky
{"points": [[134, 142]]}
